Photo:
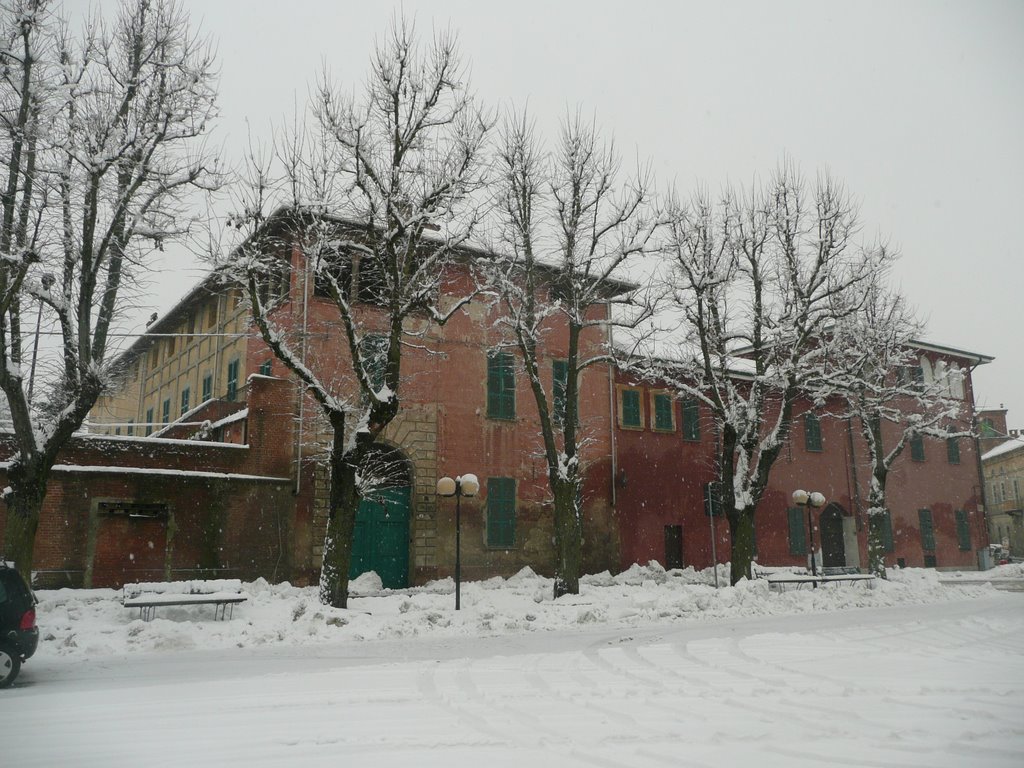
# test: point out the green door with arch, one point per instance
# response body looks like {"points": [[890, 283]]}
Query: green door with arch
{"points": [[381, 539]]}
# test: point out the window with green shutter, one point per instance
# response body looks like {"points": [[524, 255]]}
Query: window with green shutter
{"points": [[663, 421], [374, 349], [927, 527], [812, 432], [559, 385], [884, 524], [186, 396], [917, 448], [232, 391], [501, 386], [797, 532], [712, 499], [149, 422], [207, 387], [166, 411], [501, 512], [630, 409], [963, 530], [266, 367], [691, 419], [953, 450]]}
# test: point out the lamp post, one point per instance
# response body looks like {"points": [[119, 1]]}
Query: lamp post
{"points": [[811, 501], [464, 485]]}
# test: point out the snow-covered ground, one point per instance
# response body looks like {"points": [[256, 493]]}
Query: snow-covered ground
{"points": [[646, 668]]}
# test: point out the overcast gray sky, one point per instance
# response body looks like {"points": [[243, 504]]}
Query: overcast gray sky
{"points": [[918, 106]]}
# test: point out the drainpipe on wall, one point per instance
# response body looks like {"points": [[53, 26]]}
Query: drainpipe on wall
{"points": [[611, 402], [977, 462], [302, 394]]}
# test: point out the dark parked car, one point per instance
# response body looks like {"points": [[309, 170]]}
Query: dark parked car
{"points": [[19, 635]]}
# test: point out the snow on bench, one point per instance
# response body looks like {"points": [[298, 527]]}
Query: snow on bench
{"points": [[222, 594]]}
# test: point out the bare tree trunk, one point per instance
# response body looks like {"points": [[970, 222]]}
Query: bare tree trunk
{"points": [[741, 529], [876, 521], [24, 504], [568, 536], [341, 522]]}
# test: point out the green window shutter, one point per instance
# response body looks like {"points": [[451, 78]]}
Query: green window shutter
{"points": [[888, 544], [917, 448], [963, 530], [186, 396], [559, 385], [207, 387], [691, 419], [131, 428], [232, 391], [797, 532], [952, 450], [884, 523], [166, 411], [712, 499], [375, 359], [501, 511], [149, 422], [501, 386], [927, 526], [631, 408], [812, 432], [266, 368], [663, 412]]}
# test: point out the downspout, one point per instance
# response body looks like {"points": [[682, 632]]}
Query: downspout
{"points": [[611, 403], [977, 462], [301, 392]]}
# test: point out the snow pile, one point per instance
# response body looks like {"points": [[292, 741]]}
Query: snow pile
{"points": [[94, 622]]}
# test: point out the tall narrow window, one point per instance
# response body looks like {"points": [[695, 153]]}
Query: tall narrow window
{"points": [[917, 448], [211, 314], [712, 499], [559, 385], [664, 420], [501, 511], [963, 531], [232, 390], [691, 419], [927, 526], [131, 427], [149, 422], [166, 411], [374, 350], [186, 396], [207, 387], [883, 522], [953, 450], [631, 409], [797, 532], [266, 367], [812, 432], [501, 386]]}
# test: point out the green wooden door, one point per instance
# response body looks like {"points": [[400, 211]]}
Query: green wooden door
{"points": [[381, 540]]}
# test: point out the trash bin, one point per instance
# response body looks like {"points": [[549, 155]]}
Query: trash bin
{"points": [[985, 559]]}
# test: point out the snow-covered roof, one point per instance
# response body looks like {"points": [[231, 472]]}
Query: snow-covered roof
{"points": [[1009, 446]]}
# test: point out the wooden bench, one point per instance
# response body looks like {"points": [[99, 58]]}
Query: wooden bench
{"points": [[223, 595], [782, 581]]}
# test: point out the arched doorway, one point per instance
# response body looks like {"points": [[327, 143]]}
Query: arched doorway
{"points": [[833, 543], [381, 539]]}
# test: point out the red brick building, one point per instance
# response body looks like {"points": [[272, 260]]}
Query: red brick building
{"points": [[212, 466]]}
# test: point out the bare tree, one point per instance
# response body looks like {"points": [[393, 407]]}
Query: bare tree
{"points": [[568, 226], [759, 278], [100, 149], [379, 193], [875, 369]]}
